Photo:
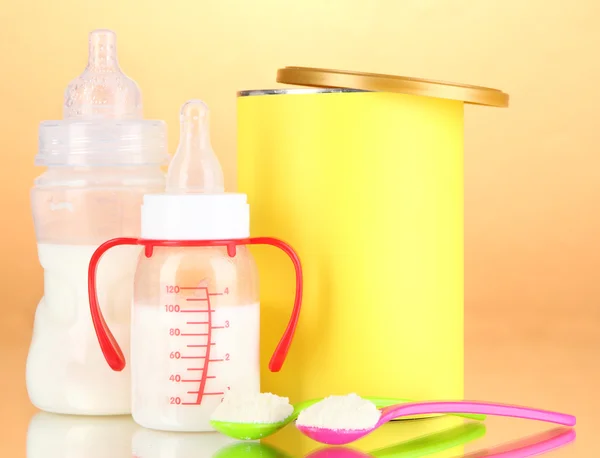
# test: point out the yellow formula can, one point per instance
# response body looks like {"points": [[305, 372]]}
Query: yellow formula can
{"points": [[365, 180]]}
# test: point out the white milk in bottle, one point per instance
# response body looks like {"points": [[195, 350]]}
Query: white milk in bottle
{"points": [[101, 159]]}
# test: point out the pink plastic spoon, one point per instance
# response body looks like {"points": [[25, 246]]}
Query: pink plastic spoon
{"points": [[345, 436]]}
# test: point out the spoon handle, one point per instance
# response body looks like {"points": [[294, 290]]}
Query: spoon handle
{"points": [[475, 407], [380, 403]]}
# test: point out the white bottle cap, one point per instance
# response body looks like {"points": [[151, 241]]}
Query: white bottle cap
{"points": [[195, 216], [195, 206]]}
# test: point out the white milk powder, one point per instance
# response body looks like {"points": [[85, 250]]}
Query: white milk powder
{"points": [[241, 407], [66, 371], [168, 360], [350, 412]]}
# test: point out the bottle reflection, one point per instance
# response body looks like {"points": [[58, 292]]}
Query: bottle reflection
{"points": [[68, 436], [148, 443]]}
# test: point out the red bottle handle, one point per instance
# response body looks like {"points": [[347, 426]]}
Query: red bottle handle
{"points": [[109, 345]]}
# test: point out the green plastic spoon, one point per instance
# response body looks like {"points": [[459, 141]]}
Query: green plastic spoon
{"points": [[254, 431]]}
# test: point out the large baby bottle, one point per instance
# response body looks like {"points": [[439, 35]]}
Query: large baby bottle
{"points": [[101, 159], [196, 316]]}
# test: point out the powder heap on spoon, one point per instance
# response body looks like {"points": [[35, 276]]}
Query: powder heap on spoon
{"points": [[240, 407], [349, 412], [252, 416]]}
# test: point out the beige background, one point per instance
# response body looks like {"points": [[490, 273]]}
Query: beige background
{"points": [[532, 187]]}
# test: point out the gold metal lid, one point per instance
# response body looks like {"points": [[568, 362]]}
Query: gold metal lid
{"points": [[320, 77]]}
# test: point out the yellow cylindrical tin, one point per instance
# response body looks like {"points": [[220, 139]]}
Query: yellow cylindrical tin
{"points": [[368, 188]]}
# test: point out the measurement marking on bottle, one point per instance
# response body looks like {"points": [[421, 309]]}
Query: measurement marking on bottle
{"points": [[205, 394], [199, 380], [200, 301], [196, 311], [201, 287], [207, 355]]}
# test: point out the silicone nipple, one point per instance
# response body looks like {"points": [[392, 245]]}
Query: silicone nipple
{"points": [[102, 90], [195, 167]]}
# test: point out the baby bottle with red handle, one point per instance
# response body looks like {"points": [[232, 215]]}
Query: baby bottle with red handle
{"points": [[195, 329], [100, 161]]}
